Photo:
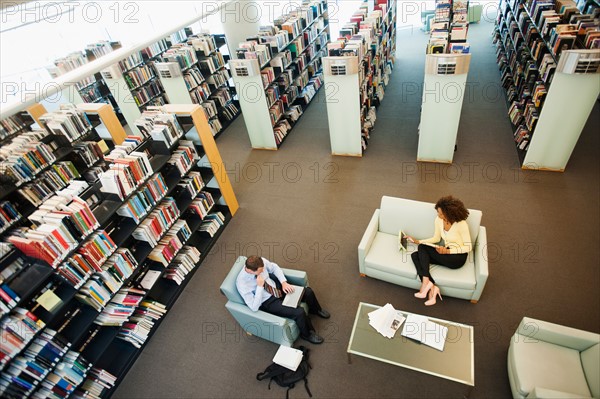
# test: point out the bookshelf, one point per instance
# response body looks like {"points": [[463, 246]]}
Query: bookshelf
{"points": [[88, 313], [195, 73], [443, 94], [93, 89], [449, 28], [278, 73], [550, 72], [107, 116], [357, 71]]}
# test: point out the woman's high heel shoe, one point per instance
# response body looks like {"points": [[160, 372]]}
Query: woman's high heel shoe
{"points": [[423, 294], [435, 292]]}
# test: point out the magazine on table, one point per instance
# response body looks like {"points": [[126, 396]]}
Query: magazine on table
{"points": [[386, 320]]}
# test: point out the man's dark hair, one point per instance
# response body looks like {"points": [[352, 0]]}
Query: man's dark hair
{"points": [[254, 263], [453, 208]]}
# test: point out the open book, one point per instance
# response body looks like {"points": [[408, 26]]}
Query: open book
{"points": [[420, 329]]}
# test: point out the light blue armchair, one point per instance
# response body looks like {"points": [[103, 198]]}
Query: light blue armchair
{"points": [[547, 360], [273, 328]]}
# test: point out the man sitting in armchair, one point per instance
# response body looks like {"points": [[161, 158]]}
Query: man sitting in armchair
{"points": [[255, 284]]}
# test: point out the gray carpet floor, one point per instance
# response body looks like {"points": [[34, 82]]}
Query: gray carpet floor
{"points": [[305, 209]]}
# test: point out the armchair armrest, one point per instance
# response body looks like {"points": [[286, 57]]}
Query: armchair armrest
{"points": [[539, 392], [533, 330], [296, 277], [367, 240], [481, 263]]}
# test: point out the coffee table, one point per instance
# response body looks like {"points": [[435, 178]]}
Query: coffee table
{"points": [[455, 363]]}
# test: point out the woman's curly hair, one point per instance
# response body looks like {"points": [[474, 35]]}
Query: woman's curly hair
{"points": [[453, 209]]}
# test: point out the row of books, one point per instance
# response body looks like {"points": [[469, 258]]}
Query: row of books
{"points": [[126, 173], [182, 54], [17, 330], [102, 286], [65, 377], [169, 245], [158, 222], [193, 78], [200, 93], [184, 263], [89, 151], [161, 126], [145, 94], [212, 223], [202, 204], [8, 299], [222, 96], [134, 60], [96, 385], [26, 155], [138, 328], [35, 367], [212, 63], [203, 43], [120, 307], [89, 259], [191, 184], [144, 199], [61, 224], [251, 49], [9, 214], [58, 177], [139, 76], [69, 121], [11, 126], [184, 157], [156, 49]]}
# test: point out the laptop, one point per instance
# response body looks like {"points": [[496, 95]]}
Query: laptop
{"points": [[402, 241], [293, 298]]}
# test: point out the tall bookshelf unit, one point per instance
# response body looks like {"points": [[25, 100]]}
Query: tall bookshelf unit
{"points": [[60, 332], [443, 94], [279, 72], [196, 73], [357, 71], [549, 60], [94, 88]]}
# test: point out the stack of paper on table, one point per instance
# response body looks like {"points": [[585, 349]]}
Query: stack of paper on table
{"points": [[424, 331], [386, 320], [288, 357]]}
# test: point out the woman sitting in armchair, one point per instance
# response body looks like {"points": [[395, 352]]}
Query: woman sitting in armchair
{"points": [[452, 228]]}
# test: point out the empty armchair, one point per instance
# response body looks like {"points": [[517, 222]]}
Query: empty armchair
{"points": [[547, 360], [261, 324]]}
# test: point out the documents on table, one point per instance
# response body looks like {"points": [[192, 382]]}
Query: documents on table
{"points": [[424, 331], [386, 320]]}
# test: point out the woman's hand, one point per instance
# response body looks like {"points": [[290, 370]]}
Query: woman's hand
{"points": [[411, 239], [442, 250]]}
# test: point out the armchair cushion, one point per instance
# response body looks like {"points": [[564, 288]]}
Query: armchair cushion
{"points": [[549, 360], [546, 365], [591, 368]]}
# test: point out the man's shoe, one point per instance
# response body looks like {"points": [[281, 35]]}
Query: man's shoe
{"points": [[323, 314], [313, 338]]}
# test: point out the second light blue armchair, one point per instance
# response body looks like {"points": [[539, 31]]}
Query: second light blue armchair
{"points": [[273, 328]]}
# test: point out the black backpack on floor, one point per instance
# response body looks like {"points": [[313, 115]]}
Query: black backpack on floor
{"points": [[285, 377]]}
